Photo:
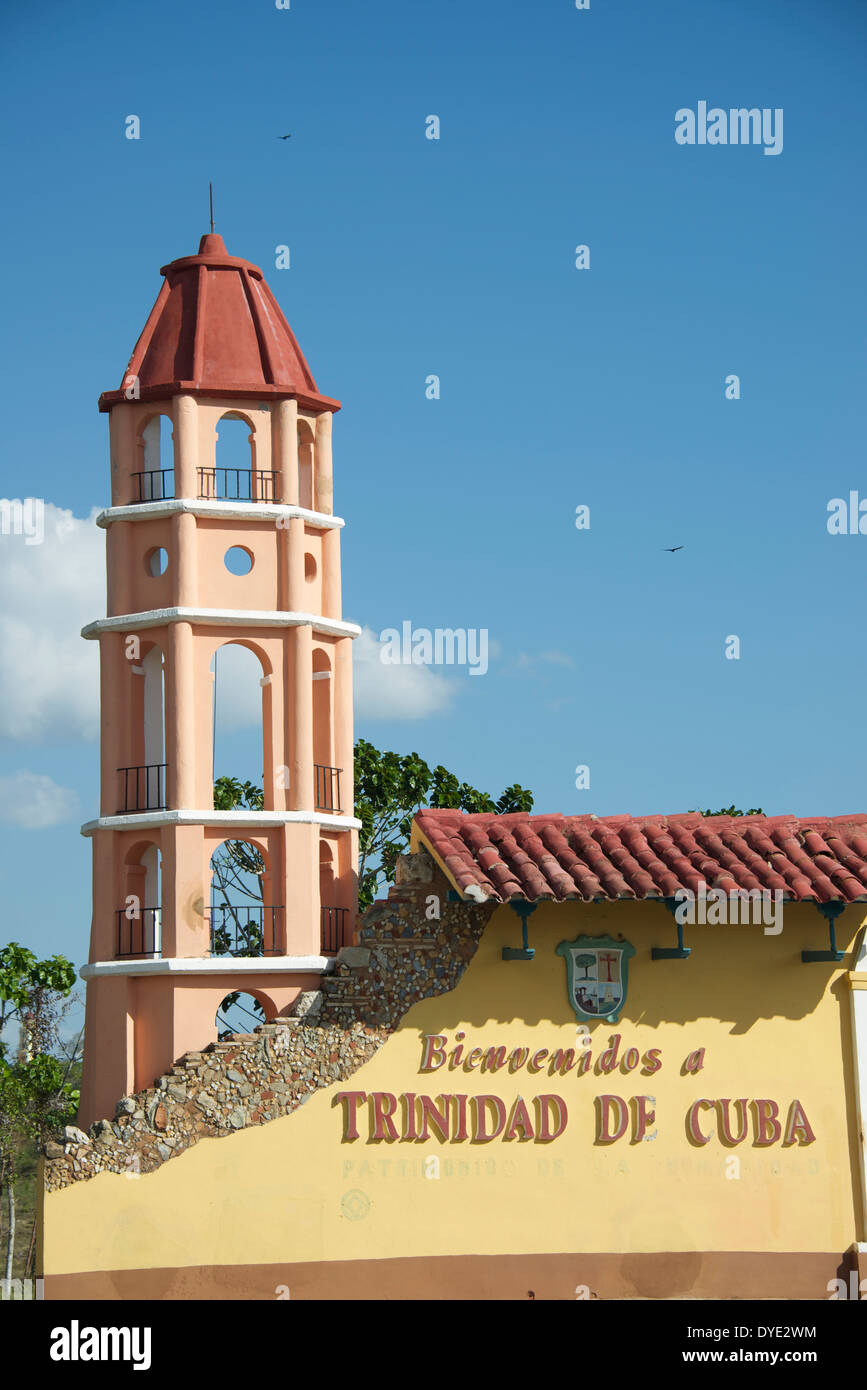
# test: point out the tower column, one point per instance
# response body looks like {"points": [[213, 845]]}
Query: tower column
{"points": [[324, 486], [295, 562], [299, 689], [343, 747], [118, 540], [285, 449], [186, 441], [180, 719], [331, 598], [123, 455], [185, 580], [113, 696]]}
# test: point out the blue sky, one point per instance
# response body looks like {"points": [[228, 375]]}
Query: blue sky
{"points": [[559, 387]]}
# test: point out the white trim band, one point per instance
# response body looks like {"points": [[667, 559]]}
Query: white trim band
{"points": [[220, 617], [211, 965], [262, 820], [240, 511]]}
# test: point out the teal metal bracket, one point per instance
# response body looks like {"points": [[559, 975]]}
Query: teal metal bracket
{"points": [[678, 952], [830, 911], [525, 952]]}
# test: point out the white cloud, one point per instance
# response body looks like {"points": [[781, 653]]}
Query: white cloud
{"points": [[34, 802], [394, 692], [49, 676]]}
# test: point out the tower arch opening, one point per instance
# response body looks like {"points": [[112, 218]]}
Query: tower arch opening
{"points": [[142, 781], [153, 478], [242, 1011], [139, 925], [244, 920], [241, 713], [235, 475], [306, 460], [327, 777]]}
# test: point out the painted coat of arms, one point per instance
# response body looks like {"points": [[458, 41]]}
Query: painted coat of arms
{"points": [[597, 970]]}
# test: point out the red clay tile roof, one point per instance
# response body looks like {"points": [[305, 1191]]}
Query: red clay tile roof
{"points": [[603, 858], [216, 328]]}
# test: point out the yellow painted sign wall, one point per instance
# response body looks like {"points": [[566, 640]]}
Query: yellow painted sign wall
{"points": [[752, 1021]]}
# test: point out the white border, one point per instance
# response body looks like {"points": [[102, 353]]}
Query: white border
{"points": [[240, 511], [220, 617], [264, 820], [211, 965]]}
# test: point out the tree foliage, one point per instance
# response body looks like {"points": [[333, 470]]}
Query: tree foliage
{"points": [[733, 811], [35, 1095], [389, 789]]}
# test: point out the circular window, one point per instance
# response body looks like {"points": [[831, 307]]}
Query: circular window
{"points": [[238, 560], [309, 568], [157, 561]]}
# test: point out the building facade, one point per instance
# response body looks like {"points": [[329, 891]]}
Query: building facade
{"points": [[200, 555]]}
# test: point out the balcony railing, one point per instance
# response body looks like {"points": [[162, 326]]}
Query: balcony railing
{"points": [[327, 787], [153, 485], [143, 788], [138, 936], [333, 923], [245, 931], [238, 484]]}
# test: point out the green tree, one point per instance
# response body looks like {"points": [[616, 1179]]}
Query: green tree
{"points": [[35, 1095], [585, 961], [236, 873], [389, 789], [732, 811]]}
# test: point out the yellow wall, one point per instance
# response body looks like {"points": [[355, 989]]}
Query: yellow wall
{"points": [[294, 1191]]}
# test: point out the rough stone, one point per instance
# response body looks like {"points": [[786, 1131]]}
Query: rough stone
{"points": [[74, 1135], [354, 956], [255, 1078]]}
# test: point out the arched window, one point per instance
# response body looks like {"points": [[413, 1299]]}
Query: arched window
{"points": [[235, 476], [244, 921], [306, 450], [139, 919], [154, 478], [330, 914], [142, 783], [239, 715], [239, 1012], [327, 776]]}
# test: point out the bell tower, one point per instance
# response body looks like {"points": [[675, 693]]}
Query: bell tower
{"points": [[180, 532]]}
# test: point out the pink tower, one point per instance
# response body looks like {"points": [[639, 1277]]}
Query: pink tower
{"points": [[216, 345]]}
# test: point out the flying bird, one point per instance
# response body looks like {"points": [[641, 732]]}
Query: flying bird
{"points": [[284, 137], [670, 549]]}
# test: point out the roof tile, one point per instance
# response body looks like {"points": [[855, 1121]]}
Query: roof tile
{"points": [[529, 857]]}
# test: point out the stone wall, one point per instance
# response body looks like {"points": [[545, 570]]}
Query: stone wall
{"points": [[404, 953]]}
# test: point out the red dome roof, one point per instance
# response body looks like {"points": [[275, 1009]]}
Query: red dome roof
{"points": [[217, 329]]}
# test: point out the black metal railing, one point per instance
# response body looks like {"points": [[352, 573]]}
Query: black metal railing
{"points": [[139, 935], [143, 788], [327, 787], [244, 931], [238, 484], [154, 485], [333, 922]]}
